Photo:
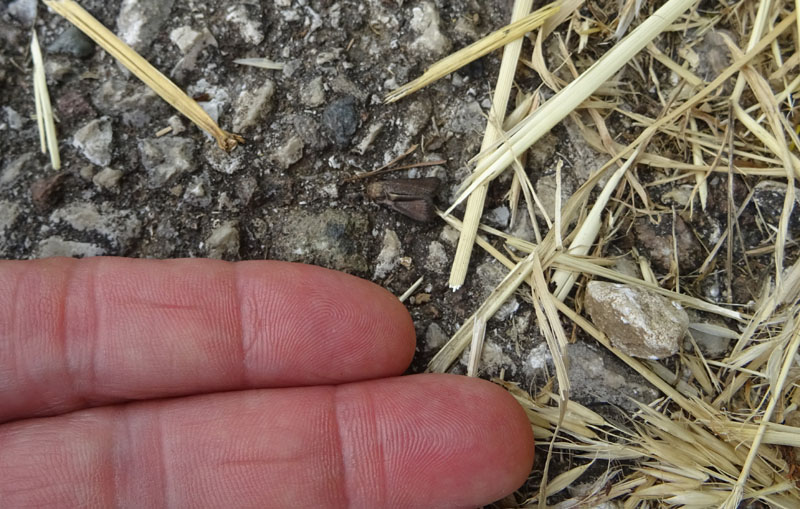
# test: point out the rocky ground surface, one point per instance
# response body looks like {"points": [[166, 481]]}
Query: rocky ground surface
{"points": [[123, 191]]}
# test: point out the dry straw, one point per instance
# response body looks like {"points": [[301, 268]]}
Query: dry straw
{"points": [[726, 429], [44, 111], [143, 70], [495, 40]]}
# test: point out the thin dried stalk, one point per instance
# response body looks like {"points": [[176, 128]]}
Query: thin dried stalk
{"points": [[44, 110], [143, 70], [413, 288], [474, 51], [588, 230], [472, 215], [776, 390], [262, 63], [561, 104]]}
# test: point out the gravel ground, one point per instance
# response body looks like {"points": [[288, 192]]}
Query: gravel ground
{"points": [[123, 191]]}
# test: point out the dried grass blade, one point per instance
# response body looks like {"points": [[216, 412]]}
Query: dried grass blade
{"points": [[262, 63], [588, 230], [44, 110], [460, 58], [776, 389], [413, 288], [571, 96], [494, 163], [143, 70], [494, 128], [453, 348]]}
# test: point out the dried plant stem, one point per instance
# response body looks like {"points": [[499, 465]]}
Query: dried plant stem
{"points": [[143, 70], [776, 389], [413, 288], [472, 215], [44, 110], [460, 58], [587, 233], [565, 101]]}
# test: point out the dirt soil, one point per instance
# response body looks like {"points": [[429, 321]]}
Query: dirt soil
{"points": [[124, 191]]}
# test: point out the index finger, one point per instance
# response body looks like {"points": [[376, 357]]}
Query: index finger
{"points": [[80, 333]]}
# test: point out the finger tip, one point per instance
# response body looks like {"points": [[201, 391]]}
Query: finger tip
{"points": [[506, 445], [372, 329], [482, 436]]}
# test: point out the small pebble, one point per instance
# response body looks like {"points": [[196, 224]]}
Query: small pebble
{"points": [[289, 153], [637, 321], [389, 257], [46, 192], [94, 141], [73, 42], [223, 241], [107, 178], [341, 120]]}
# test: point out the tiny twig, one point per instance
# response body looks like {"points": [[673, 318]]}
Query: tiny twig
{"points": [[385, 167]]}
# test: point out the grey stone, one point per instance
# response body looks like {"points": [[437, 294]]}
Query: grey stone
{"points": [[191, 43], [176, 124], [246, 24], [73, 42], [331, 238], [657, 242], [713, 339], [437, 257], [224, 241], [769, 196], [13, 169], [120, 227], [189, 40], [425, 22], [57, 246], [107, 178], [223, 162], [466, 118], [493, 358], [341, 120], [435, 337], [309, 129], [313, 94], [366, 142], [289, 153], [490, 274], [389, 257], [14, 120], [252, 106], [637, 321], [597, 376], [499, 216], [23, 11], [165, 158], [140, 21], [416, 116], [9, 212], [94, 141]]}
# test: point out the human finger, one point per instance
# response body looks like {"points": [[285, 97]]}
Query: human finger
{"points": [[418, 441], [80, 333]]}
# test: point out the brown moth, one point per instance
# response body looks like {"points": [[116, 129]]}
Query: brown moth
{"points": [[410, 197]]}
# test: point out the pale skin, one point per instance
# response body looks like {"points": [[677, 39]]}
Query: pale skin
{"points": [[197, 383]]}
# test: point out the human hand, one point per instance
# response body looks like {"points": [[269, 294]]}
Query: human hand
{"points": [[199, 383]]}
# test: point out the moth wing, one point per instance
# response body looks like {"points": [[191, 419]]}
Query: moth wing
{"points": [[418, 210]]}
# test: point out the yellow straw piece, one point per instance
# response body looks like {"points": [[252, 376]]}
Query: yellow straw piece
{"points": [[44, 110], [474, 51], [143, 70]]}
